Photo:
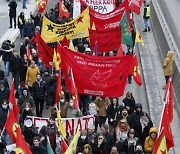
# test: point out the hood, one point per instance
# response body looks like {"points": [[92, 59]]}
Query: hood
{"points": [[170, 54], [153, 129], [138, 105]]}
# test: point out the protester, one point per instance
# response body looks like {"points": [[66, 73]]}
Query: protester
{"points": [[15, 67], [4, 112], [146, 16], [29, 29], [24, 67], [31, 73], [167, 66], [37, 19], [4, 92], [114, 150], [39, 93], [82, 141], [12, 13], [37, 148], [87, 149], [50, 130], [21, 23], [150, 140]]}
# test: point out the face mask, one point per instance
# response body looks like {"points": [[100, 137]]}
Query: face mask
{"points": [[4, 106], [62, 100], [71, 104], [91, 108], [83, 137], [27, 109]]}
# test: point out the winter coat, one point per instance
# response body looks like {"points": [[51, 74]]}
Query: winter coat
{"points": [[31, 75], [37, 20], [4, 94], [167, 64], [21, 21], [149, 142], [39, 150], [6, 51], [112, 114], [15, 64], [23, 100], [129, 103], [39, 90], [110, 141], [29, 133], [29, 30], [3, 117], [101, 105], [12, 10], [72, 112]]}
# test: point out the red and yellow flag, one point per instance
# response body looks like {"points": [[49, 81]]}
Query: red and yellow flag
{"points": [[139, 39], [11, 126], [28, 52], [21, 145], [160, 146], [58, 88]]}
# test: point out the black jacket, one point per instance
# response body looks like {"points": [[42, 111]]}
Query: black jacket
{"points": [[12, 10], [38, 150], [4, 95], [39, 90], [15, 64], [3, 117], [112, 114]]}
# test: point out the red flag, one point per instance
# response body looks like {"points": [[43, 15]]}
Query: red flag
{"points": [[135, 6], [111, 39], [120, 51], [42, 5], [160, 144], [65, 42], [44, 51], [58, 88], [21, 145], [165, 125], [12, 100], [64, 145], [63, 12], [168, 98], [135, 72], [28, 52], [11, 126], [93, 74], [74, 91]]}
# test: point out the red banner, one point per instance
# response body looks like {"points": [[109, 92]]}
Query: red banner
{"points": [[107, 40], [95, 75]]}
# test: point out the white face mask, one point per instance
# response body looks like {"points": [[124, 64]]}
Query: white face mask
{"points": [[27, 109], [62, 100], [71, 103], [83, 137], [4, 106]]}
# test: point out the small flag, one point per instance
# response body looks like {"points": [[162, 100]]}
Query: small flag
{"points": [[60, 124], [120, 51], [55, 60], [139, 39]]}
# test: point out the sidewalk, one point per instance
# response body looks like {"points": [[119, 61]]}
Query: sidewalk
{"points": [[5, 32]]}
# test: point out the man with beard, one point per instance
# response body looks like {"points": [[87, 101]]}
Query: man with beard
{"points": [[136, 122], [124, 115]]}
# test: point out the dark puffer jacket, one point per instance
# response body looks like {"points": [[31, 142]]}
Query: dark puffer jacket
{"points": [[39, 90]]}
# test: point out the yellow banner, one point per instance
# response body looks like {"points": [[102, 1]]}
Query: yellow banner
{"points": [[77, 28]]}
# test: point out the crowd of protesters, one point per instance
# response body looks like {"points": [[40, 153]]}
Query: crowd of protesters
{"points": [[121, 127]]}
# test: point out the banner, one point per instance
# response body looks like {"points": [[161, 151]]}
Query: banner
{"points": [[77, 28], [70, 124], [107, 40], [95, 75]]}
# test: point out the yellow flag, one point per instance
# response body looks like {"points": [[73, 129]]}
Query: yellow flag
{"points": [[162, 147], [77, 28], [73, 145], [55, 60], [60, 124], [139, 39], [71, 46]]}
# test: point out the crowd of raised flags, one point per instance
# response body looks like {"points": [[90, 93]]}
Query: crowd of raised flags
{"points": [[65, 59]]}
